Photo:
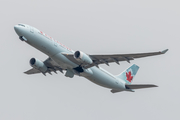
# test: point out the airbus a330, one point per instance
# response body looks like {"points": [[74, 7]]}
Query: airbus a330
{"points": [[61, 58]]}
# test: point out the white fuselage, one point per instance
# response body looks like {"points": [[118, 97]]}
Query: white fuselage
{"points": [[53, 49]]}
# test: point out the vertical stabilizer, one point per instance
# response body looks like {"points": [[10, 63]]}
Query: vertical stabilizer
{"points": [[129, 74]]}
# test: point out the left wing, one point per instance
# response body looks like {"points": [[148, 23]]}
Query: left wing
{"points": [[106, 59], [51, 65], [32, 71]]}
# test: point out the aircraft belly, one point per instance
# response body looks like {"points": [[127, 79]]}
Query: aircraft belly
{"points": [[61, 59], [103, 79]]}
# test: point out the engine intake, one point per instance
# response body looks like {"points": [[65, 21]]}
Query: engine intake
{"points": [[82, 57], [37, 64]]}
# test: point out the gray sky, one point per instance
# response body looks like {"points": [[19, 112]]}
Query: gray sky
{"points": [[93, 26]]}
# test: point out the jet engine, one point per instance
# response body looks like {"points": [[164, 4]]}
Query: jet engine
{"points": [[82, 57], [37, 64]]}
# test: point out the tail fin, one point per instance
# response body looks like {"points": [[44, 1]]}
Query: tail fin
{"points": [[129, 74]]}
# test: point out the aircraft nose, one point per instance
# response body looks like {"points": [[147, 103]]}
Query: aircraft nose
{"points": [[17, 29]]}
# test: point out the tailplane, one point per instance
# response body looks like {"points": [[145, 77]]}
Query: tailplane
{"points": [[129, 74], [134, 86], [139, 86]]}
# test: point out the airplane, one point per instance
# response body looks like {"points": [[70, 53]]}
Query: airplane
{"points": [[61, 58]]}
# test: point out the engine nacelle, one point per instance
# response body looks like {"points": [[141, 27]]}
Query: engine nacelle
{"points": [[82, 57], [37, 64]]}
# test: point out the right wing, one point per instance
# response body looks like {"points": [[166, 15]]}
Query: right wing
{"points": [[51, 65], [32, 71], [106, 59]]}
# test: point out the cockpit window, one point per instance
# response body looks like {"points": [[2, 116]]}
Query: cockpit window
{"points": [[21, 25]]}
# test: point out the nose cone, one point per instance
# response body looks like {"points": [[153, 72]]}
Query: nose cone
{"points": [[18, 30]]}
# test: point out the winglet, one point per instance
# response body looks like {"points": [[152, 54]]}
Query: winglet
{"points": [[164, 51]]}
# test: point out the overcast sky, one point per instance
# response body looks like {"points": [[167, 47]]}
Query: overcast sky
{"points": [[94, 27]]}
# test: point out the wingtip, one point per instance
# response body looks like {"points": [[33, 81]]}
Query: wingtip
{"points": [[25, 72], [156, 86], [164, 51]]}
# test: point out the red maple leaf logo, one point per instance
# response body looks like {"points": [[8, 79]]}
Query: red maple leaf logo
{"points": [[129, 77]]}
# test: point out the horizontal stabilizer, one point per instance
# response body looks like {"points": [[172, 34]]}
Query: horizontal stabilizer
{"points": [[139, 86], [115, 91]]}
